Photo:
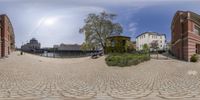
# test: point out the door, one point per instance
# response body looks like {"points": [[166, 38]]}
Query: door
{"points": [[197, 48]]}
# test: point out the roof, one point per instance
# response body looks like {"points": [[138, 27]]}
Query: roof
{"points": [[151, 33], [118, 36], [11, 27], [185, 14], [195, 17]]}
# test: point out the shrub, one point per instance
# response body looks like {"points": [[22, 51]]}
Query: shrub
{"points": [[126, 59], [194, 58]]}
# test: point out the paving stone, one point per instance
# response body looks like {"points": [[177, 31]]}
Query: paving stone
{"points": [[88, 79]]}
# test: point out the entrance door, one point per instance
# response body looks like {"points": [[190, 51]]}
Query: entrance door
{"points": [[2, 49], [198, 48]]}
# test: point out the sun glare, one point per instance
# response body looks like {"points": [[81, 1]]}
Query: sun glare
{"points": [[50, 21]]}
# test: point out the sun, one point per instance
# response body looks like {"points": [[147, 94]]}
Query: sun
{"points": [[50, 21]]}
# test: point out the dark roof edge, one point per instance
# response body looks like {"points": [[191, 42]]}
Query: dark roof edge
{"points": [[150, 32], [119, 36]]}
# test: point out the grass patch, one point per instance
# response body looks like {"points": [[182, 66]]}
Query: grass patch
{"points": [[125, 59]]}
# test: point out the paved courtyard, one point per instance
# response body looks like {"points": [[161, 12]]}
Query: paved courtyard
{"points": [[30, 77]]}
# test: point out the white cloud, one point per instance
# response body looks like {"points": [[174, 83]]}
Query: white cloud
{"points": [[66, 28], [26, 14], [132, 28]]}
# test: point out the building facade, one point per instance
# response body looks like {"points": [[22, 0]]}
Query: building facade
{"points": [[117, 44], [67, 47], [148, 38], [32, 46], [185, 30], [7, 37]]}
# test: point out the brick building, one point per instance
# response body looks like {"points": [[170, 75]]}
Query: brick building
{"points": [[185, 34], [7, 37]]}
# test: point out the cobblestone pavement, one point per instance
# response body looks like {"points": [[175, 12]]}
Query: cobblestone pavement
{"points": [[30, 77]]}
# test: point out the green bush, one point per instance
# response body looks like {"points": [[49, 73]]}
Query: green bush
{"points": [[125, 59], [194, 58]]}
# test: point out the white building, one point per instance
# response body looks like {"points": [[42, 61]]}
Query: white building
{"points": [[148, 38]]}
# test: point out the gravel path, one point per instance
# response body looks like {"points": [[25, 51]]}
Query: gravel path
{"points": [[30, 77]]}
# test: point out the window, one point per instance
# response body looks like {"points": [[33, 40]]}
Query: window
{"points": [[112, 43], [123, 42], [197, 30]]}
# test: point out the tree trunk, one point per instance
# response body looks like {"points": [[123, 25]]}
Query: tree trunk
{"points": [[157, 53], [104, 50]]}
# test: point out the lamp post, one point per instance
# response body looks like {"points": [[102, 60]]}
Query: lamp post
{"points": [[21, 49]]}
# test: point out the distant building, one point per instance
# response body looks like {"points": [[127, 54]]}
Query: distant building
{"points": [[168, 46], [148, 38], [32, 46], [134, 44], [117, 43], [7, 37], [185, 29], [68, 47]]}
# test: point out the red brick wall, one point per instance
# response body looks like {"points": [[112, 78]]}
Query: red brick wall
{"points": [[5, 37], [194, 39], [177, 47], [184, 40], [0, 39], [176, 30]]}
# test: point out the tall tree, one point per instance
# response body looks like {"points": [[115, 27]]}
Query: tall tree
{"points": [[145, 48], [86, 47], [154, 45], [98, 27]]}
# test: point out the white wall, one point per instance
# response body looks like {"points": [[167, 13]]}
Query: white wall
{"points": [[148, 38]]}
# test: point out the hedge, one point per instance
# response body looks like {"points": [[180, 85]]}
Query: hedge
{"points": [[126, 59]]}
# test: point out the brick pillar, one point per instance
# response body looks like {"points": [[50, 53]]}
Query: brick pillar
{"points": [[5, 36], [0, 43], [0, 37]]}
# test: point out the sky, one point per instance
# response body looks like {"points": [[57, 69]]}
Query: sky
{"points": [[58, 21]]}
